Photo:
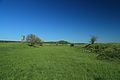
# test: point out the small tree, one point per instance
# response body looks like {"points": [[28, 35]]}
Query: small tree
{"points": [[93, 39], [33, 39]]}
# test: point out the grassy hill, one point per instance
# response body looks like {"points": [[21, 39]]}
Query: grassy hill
{"points": [[21, 62]]}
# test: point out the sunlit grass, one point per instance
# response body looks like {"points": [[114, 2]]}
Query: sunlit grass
{"points": [[20, 62]]}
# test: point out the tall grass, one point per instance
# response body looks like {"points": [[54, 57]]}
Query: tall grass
{"points": [[19, 62]]}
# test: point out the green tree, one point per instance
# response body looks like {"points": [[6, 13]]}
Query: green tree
{"points": [[93, 39], [33, 39]]}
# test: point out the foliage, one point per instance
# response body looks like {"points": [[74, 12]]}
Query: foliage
{"points": [[105, 51], [33, 39], [93, 39], [71, 45], [110, 53]]}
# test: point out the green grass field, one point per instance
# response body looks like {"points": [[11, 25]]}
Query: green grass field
{"points": [[20, 62]]}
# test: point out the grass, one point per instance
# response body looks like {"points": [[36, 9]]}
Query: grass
{"points": [[20, 62]]}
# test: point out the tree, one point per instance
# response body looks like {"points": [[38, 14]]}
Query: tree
{"points": [[33, 39], [93, 39]]}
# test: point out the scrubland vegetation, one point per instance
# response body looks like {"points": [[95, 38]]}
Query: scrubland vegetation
{"points": [[110, 51]]}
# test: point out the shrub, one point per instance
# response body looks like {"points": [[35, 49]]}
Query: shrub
{"points": [[72, 45], [97, 48], [105, 51], [110, 53]]}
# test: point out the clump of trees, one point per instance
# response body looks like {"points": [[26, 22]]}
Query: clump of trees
{"points": [[33, 40]]}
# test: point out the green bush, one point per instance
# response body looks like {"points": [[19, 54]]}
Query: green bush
{"points": [[105, 51], [110, 53], [97, 48], [72, 45]]}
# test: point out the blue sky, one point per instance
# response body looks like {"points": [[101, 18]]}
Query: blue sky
{"points": [[51, 20]]}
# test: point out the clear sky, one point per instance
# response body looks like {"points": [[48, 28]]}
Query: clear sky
{"points": [[72, 20]]}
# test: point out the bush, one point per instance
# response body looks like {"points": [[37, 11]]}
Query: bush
{"points": [[97, 48], [71, 45], [105, 51], [110, 53]]}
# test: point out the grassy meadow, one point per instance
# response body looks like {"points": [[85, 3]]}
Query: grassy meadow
{"points": [[21, 62]]}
